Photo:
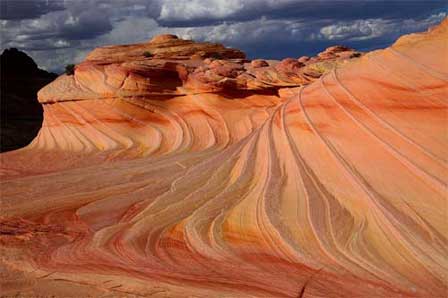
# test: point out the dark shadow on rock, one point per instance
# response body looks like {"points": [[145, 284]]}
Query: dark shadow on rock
{"points": [[21, 113]]}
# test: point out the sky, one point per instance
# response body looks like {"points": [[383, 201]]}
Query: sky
{"points": [[57, 32]]}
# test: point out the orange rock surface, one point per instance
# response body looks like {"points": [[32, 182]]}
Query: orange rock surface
{"points": [[180, 176]]}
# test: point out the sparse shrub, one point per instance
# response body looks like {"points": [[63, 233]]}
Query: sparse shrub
{"points": [[216, 56], [355, 55], [70, 69], [147, 54]]}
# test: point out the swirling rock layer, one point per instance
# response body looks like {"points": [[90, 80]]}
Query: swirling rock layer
{"points": [[333, 189]]}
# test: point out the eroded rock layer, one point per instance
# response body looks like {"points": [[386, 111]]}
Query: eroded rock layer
{"points": [[213, 187]]}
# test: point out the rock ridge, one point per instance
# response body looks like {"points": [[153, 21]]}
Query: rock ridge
{"points": [[171, 66]]}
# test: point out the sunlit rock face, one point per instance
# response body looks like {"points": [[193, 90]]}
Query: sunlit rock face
{"points": [[168, 66], [188, 174]]}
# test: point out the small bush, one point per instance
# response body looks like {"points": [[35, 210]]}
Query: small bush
{"points": [[216, 56], [355, 55], [147, 54], [70, 69]]}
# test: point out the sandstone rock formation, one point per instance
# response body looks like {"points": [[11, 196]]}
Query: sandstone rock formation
{"points": [[176, 67], [21, 113], [181, 176]]}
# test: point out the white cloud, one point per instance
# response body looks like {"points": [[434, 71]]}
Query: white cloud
{"points": [[250, 32], [182, 10], [130, 30], [373, 28], [189, 9], [61, 43], [61, 36], [353, 30]]}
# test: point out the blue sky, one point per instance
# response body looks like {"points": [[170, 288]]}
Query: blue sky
{"points": [[57, 32]]}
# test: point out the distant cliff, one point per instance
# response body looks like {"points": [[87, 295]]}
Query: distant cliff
{"points": [[21, 113]]}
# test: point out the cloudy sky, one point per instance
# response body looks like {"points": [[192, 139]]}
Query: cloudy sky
{"points": [[58, 32]]}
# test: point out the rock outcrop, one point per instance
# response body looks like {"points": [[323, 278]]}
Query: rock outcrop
{"points": [[182, 174], [21, 113], [169, 66]]}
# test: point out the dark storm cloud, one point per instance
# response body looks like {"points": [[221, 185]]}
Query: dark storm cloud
{"points": [[95, 23], [173, 16], [79, 20], [58, 32], [20, 10]]}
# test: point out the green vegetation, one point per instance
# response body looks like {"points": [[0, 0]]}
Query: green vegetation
{"points": [[355, 55], [147, 54], [321, 67], [215, 56], [70, 69]]}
